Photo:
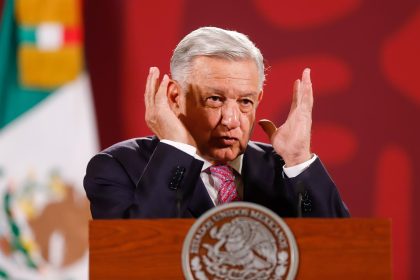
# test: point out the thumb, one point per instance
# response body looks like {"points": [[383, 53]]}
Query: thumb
{"points": [[268, 127]]}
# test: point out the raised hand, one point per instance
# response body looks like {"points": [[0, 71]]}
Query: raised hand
{"points": [[159, 116], [292, 140]]}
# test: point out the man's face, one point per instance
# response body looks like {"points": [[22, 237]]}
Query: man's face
{"points": [[219, 106]]}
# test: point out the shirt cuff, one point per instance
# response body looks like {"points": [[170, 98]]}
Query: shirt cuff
{"points": [[191, 150], [294, 171]]}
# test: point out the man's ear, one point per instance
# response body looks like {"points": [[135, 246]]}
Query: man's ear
{"points": [[174, 97], [260, 96]]}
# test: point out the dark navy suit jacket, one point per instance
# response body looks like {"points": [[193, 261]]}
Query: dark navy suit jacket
{"points": [[144, 178]]}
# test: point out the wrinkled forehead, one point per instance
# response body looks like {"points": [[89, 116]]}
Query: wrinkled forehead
{"points": [[204, 66], [224, 77]]}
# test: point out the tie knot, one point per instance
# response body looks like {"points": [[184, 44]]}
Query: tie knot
{"points": [[223, 172]]}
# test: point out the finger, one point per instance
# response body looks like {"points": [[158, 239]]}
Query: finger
{"points": [[268, 127], [306, 76], [307, 93], [155, 83], [161, 92], [307, 101], [148, 86], [303, 83], [296, 87]]}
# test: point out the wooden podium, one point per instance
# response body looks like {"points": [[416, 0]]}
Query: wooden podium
{"points": [[328, 248]]}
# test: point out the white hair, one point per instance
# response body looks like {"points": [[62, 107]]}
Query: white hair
{"points": [[213, 42]]}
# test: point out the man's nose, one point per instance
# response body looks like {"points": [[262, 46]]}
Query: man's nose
{"points": [[230, 115]]}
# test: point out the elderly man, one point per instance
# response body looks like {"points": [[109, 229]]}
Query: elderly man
{"points": [[201, 154]]}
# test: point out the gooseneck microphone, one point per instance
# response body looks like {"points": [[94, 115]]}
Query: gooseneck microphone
{"points": [[300, 188]]}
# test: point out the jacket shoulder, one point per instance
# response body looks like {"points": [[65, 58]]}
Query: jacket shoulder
{"points": [[262, 151], [132, 154], [260, 146], [141, 145], [264, 148]]}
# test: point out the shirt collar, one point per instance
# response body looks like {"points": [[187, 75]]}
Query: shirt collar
{"points": [[235, 164]]}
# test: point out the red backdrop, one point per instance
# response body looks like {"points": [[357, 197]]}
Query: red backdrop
{"points": [[364, 58]]}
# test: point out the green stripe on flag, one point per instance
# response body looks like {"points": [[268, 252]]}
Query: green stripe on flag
{"points": [[27, 35], [14, 98]]}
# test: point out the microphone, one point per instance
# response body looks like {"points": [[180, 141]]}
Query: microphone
{"points": [[178, 202], [300, 187], [175, 185]]}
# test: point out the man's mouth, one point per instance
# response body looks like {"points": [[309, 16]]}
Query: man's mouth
{"points": [[228, 141]]}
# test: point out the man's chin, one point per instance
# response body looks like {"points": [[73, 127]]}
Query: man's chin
{"points": [[224, 155]]}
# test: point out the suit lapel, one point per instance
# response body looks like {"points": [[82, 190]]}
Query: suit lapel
{"points": [[200, 201], [257, 173]]}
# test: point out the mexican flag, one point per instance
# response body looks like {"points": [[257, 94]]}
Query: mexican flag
{"points": [[47, 135]]}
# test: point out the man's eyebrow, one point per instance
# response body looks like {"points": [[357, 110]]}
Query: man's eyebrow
{"points": [[249, 94], [221, 91], [214, 90]]}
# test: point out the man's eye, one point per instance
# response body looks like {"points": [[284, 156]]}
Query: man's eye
{"points": [[214, 101], [246, 102], [214, 98]]}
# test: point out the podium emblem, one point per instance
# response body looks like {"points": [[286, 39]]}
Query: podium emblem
{"points": [[240, 240]]}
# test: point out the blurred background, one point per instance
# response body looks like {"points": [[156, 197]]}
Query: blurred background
{"points": [[72, 76]]}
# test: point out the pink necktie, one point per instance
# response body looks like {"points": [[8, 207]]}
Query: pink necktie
{"points": [[227, 188]]}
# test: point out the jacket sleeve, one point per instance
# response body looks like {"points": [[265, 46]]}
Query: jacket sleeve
{"points": [[316, 193], [108, 188]]}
